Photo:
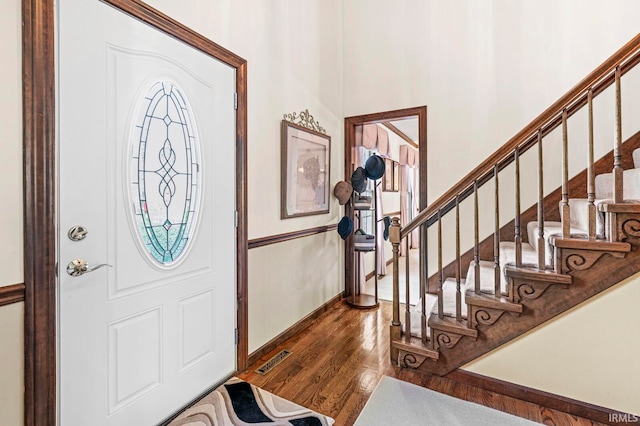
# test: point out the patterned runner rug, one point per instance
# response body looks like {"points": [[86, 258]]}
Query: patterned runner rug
{"points": [[237, 402]]}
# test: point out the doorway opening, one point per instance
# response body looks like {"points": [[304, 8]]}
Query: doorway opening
{"points": [[409, 128]]}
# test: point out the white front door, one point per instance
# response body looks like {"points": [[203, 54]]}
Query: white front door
{"points": [[147, 186]]}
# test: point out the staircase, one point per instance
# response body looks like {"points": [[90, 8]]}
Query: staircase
{"points": [[575, 242]]}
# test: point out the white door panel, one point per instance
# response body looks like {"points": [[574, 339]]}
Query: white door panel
{"points": [[139, 339]]}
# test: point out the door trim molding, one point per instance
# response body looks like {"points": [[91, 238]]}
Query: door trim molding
{"points": [[39, 161]]}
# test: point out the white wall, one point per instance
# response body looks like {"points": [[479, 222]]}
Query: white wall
{"points": [[11, 249], [486, 69], [294, 59]]}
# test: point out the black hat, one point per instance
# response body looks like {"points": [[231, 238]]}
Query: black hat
{"points": [[345, 227], [387, 223], [374, 167], [359, 180]]}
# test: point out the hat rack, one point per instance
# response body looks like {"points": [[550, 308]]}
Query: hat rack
{"points": [[357, 298]]}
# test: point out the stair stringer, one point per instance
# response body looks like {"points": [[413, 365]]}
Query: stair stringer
{"points": [[607, 272]]}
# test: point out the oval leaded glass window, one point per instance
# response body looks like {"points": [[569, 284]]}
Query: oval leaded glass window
{"points": [[165, 173]]}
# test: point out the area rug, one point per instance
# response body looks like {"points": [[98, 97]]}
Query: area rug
{"points": [[237, 402], [395, 402]]}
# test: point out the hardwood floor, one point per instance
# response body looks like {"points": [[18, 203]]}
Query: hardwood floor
{"points": [[336, 363]]}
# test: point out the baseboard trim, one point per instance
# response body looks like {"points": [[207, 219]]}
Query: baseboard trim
{"points": [[294, 329], [12, 294], [545, 399], [371, 274]]}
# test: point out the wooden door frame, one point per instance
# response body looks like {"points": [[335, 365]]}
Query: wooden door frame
{"points": [[40, 196], [350, 124]]}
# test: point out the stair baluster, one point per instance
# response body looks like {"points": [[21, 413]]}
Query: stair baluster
{"points": [[617, 148], [440, 273], [458, 263], [516, 228], [395, 329], [476, 241], [407, 304], [541, 244], [424, 265], [496, 237], [565, 211], [591, 178]]}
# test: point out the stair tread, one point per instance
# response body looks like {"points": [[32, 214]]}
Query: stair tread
{"points": [[547, 275], [627, 206], [416, 346], [451, 325], [577, 242], [490, 301]]}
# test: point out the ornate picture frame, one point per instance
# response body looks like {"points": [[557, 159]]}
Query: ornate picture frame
{"points": [[305, 171]]}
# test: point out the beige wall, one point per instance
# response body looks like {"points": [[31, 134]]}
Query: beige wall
{"points": [[290, 280], [11, 272], [486, 69], [589, 353]]}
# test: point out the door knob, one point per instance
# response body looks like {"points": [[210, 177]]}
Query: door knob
{"points": [[78, 267]]}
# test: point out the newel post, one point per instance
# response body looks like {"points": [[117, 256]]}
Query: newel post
{"points": [[396, 330]]}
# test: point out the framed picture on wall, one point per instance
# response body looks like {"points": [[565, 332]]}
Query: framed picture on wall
{"points": [[396, 176], [387, 178], [305, 160]]}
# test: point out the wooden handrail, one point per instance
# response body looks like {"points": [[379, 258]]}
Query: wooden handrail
{"points": [[575, 98]]}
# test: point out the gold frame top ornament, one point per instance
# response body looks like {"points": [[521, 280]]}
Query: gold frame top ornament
{"points": [[305, 120]]}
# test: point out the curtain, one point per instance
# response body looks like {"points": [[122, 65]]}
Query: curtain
{"points": [[405, 172], [413, 179], [409, 192]]}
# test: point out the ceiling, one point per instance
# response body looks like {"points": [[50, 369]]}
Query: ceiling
{"points": [[408, 126]]}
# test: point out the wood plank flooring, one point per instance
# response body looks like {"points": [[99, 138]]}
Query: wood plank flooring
{"points": [[336, 363]]}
